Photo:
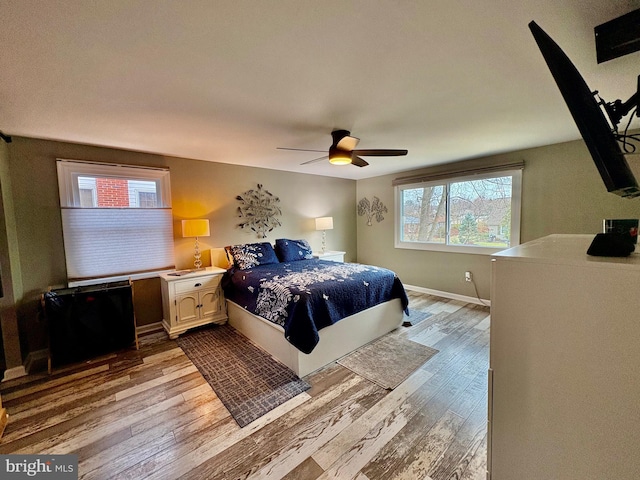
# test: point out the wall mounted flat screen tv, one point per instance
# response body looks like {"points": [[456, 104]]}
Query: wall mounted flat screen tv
{"points": [[589, 117]]}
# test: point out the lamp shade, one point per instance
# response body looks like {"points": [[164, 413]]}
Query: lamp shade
{"points": [[195, 228], [324, 223]]}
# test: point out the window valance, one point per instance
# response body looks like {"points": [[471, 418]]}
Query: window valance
{"points": [[440, 173]]}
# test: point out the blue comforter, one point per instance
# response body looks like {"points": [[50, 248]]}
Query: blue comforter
{"points": [[307, 295]]}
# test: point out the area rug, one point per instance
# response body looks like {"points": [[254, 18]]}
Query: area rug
{"points": [[388, 361], [248, 380]]}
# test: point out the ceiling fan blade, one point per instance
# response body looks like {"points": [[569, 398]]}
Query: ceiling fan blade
{"points": [[348, 143], [299, 149], [343, 140], [358, 162], [379, 152], [315, 159]]}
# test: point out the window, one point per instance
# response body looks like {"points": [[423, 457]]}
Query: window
{"points": [[147, 200], [116, 220], [88, 192], [142, 194], [477, 213]]}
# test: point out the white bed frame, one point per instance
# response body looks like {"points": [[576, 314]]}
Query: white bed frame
{"points": [[336, 340]]}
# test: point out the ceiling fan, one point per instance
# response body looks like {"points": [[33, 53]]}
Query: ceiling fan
{"points": [[342, 151]]}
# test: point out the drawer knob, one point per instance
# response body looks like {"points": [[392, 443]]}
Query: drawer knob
{"points": [[198, 285]]}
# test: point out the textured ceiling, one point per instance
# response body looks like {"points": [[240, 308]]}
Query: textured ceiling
{"points": [[229, 81]]}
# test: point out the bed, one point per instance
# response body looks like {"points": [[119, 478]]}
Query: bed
{"points": [[304, 311]]}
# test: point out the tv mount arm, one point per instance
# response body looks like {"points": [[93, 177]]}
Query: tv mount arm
{"points": [[618, 109]]}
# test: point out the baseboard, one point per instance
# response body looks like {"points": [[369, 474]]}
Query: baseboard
{"points": [[149, 328], [451, 296], [15, 372]]}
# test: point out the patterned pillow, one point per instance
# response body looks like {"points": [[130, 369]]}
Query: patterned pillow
{"points": [[292, 250], [251, 255]]}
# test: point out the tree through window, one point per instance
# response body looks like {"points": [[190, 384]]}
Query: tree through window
{"points": [[466, 212]]}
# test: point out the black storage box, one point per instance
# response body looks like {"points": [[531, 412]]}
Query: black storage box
{"points": [[86, 322]]}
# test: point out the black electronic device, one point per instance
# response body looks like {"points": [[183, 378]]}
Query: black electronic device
{"points": [[611, 245], [618, 37], [86, 322], [600, 138]]}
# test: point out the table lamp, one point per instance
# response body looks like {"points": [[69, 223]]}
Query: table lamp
{"points": [[324, 224], [196, 228]]}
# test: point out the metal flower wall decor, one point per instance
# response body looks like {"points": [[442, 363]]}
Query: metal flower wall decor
{"points": [[259, 208], [372, 209]]}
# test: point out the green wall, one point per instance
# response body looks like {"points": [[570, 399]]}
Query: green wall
{"points": [[199, 189], [561, 193]]}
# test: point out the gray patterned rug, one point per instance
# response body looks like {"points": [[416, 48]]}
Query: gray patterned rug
{"points": [[248, 380], [388, 361]]}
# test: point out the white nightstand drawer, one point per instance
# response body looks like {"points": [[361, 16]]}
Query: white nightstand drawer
{"points": [[198, 283]]}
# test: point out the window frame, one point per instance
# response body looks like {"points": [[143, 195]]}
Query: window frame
{"points": [[516, 202], [70, 170], [69, 191]]}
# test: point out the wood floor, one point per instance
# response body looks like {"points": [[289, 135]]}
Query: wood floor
{"points": [[149, 414]]}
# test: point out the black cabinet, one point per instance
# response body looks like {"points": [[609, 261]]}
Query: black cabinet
{"points": [[89, 321]]}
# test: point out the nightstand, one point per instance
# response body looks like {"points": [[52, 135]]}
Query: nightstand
{"points": [[191, 300], [330, 255]]}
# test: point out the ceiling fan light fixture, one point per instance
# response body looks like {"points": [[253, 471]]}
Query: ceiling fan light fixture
{"points": [[343, 151], [339, 157]]}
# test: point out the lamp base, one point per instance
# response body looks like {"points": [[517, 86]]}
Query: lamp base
{"points": [[197, 263]]}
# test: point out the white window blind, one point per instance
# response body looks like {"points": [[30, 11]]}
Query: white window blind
{"points": [[113, 237]]}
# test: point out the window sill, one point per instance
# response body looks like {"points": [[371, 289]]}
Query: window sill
{"points": [[439, 247], [118, 278]]}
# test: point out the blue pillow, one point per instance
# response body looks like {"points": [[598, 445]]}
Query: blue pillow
{"points": [[292, 250], [251, 255]]}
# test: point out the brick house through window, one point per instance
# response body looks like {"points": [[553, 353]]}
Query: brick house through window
{"points": [[109, 192]]}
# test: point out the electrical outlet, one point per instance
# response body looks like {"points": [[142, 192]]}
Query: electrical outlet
{"points": [[468, 277]]}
